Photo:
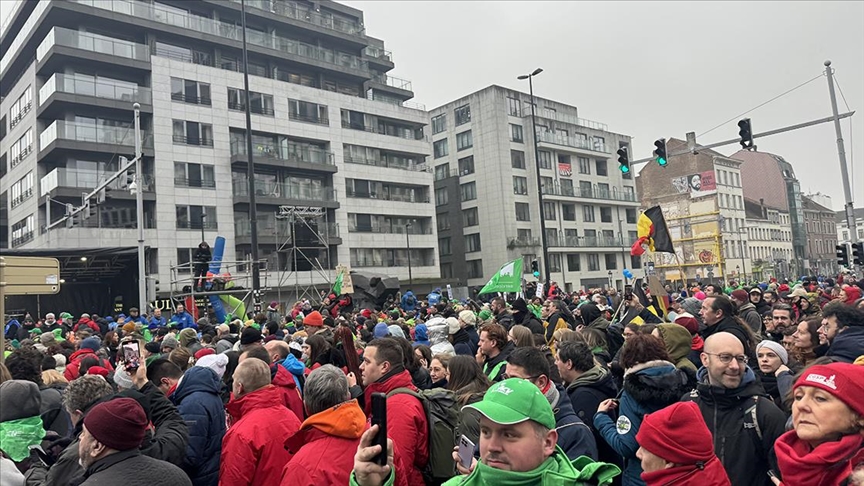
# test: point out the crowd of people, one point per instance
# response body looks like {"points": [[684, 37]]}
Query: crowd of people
{"points": [[736, 385]]}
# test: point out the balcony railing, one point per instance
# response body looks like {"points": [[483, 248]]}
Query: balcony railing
{"points": [[24, 238], [22, 154], [393, 82], [585, 241], [197, 225], [592, 193], [318, 120], [573, 120], [25, 195], [378, 53], [193, 140], [21, 114], [388, 229], [309, 155], [60, 36], [394, 131], [392, 262], [196, 100], [197, 182], [86, 132], [260, 110], [390, 164], [515, 242], [575, 142], [296, 12], [282, 229], [87, 179], [81, 84], [286, 191], [409, 198]]}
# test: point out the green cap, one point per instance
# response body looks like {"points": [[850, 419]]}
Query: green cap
{"points": [[513, 401], [65, 315], [35, 330], [484, 314]]}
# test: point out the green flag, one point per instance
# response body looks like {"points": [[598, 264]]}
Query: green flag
{"points": [[337, 285], [507, 279]]}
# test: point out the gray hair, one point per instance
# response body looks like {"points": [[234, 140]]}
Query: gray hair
{"points": [[325, 387], [85, 391]]}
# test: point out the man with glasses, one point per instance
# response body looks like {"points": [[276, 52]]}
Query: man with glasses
{"points": [[743, 422]]}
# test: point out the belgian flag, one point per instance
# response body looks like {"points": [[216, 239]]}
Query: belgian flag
{"points": [[653, 231]]}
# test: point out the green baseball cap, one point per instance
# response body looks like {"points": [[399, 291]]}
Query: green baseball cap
{"points": [[514, 401], [65, 315]]}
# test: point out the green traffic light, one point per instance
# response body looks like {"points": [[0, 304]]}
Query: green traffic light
{"points": [[625, 169], [661, 161]]}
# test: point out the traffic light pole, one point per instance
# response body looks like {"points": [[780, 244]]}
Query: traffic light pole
{"points": [[139, 208], [539, 182]]}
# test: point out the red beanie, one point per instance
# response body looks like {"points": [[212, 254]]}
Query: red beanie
{"points": [[677, 434], [314, 319], [203, 352], [741, 295], [119, 424], [98, 370], [689, 323], [843, 380]]}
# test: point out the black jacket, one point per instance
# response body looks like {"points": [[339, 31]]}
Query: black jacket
{"points": [[745, 456], [574, 435], [505, 318], [490, 365], [586, 393], [529, 320], [473, 337], [131, 468], [421, 378], [462, 344]]}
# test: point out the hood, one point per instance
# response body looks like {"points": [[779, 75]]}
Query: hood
{"points": [[80, 353], [748, 305], [399, 379], [848, 344], [345, 421], [677, 340], [600, 323], [196, 379], [293, 365], [749, 387], [597, 377], [655, 382], [437, 330], [589, 313], [420, 333], [408, 294], [264, 398], [280, 376]]}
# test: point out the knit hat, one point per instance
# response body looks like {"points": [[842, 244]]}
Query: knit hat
{"points": [[60, 360], [19, 399], [314, 319], [777, 348], [223, 345], [250, 335], [514, 401], [741, 295], [756, 290], [692, 305], [36, 331], [699, 295], [396, 331], [118, 424], [170, 341], [98, 370], [186, 336], [677, 434], [129, 327], [484, 314], [274, 304], [122, 379], [47, 339], [65, 315], [843, 380], [203, 321], [468, 317], [380, 330], [216, 362], [91, 343], [204, 352], [453, 325], [153, 347], [688, 322]]}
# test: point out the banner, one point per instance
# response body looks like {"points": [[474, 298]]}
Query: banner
{"points": [[565, 169], [507, 279], [697, 185], [343, 283]]}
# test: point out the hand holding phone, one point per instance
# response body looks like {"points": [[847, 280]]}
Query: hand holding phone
{"points": [[379, 418], [466, 452], [131, 356]]}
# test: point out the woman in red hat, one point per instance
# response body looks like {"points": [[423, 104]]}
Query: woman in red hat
{"points": [[826, 446]]}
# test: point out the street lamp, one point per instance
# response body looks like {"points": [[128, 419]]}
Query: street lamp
{"points": [[408, 226], [202, 227], [610, 279], [741, 247], [530, 78]]}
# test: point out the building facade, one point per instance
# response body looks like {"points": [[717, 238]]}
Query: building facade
{"points": [[339, 150], [821, 225], [843, 233], [770, 238], [486, 191]]}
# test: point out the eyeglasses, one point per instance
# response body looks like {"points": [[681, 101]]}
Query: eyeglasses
{"points": [[727, 358]]}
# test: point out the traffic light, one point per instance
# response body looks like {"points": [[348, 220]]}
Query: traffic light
{"points": [[623, 160], [858, 253], [535, 268], [842, 255], [660, 152], [746, 133]]}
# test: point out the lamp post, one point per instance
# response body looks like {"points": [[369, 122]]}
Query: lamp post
{"points": [[530, 78], [610, 279], [202, 226], [250, 170], [408, 245], [741, 247]]}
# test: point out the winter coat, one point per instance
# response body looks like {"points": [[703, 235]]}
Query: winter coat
{"points": [[438, 334], [131, 468], [529, 320], [848, 345], [11, 329], [648, 387], [505, 318], [473, 336], [421, 378], [469, 419], [282, 379], [677, 341], [586, 393], [421, 336], [494, 367], [553, 323], [71, 371], [198, 400], [54, 415], [85, 322], [462, 344], [409, 302], [183, 320], [778, 388], [252, 451], [296, 368], [406, 422], [745, 457], [574, 436], [752, 317]]}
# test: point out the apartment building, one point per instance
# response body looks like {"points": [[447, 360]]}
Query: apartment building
{"points": [[821, 224], [770, 236]]}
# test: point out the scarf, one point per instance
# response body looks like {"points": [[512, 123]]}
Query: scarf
{"points": [[556, 470], [825, 465], [16, 436]]}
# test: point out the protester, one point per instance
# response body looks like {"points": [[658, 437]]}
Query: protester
{"points": [[438, 370], [493, 351], [843, 329], [467, 381], [20, 426]]}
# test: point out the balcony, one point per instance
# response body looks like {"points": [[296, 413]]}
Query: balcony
{"points": [[573, 120], [192, 140], [81, 180], [407, 133], [393, 82], [197, 225], [85, 132], [371, 95], [196, 182], [23, 196], [573, 142], [408, 198], [105, 89], [21, 114], [379, 56], [291, 156], [195, 100], [316, 119], [585, 242], [19, 238], [296, 12], [388, 229], [102, 49], [592, 193], [257, 109], [522, 242], [387, 163], [284, 193]]}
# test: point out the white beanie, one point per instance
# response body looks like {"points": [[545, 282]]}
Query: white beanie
{"points": [[61, 362], [778, 349], [216, 362], [122, 379]]}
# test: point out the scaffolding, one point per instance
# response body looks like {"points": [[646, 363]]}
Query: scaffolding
{"points": [[308, 234], [234, 278]]}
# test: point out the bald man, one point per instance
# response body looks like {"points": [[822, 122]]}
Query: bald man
{"points": [[253, 451], [744, 441]]}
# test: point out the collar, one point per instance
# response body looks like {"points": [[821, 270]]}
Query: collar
{"points": [[110, 460]]}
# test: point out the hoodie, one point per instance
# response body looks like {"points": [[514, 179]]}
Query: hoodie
{"points": [[848, 345], [198, 400], [420, 335], [678, 342]]}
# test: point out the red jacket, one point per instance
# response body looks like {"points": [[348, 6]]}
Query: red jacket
{"points": [[406, 424], [284, 382], [85, 321], [252, 450], [71, 371]]}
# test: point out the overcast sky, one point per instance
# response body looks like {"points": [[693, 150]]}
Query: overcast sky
{"points": [[648, 69]]}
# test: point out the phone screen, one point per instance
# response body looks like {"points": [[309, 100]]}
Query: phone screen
{"points": [[379, 418], [466, 452], [628, 292], [131, 355]]}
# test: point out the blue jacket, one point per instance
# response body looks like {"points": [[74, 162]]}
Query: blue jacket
{"points": [[847, 345], [297, 370], [574, 436], [648, 387], [409, 302], [434, 297], [184, 320], [421, 335], [156, 322], [199, 403]]}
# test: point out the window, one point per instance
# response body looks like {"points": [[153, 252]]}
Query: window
{"points": [[516, 133], [184, 259], [523, 212], [190, 91], [611, 261], [442, 171], [475, 268], [629, 193], [3, 167], [603, 191], [441, 196], [308, 112], [585, 189], [196, 217], [599, 144], [523, 235], [520, 185], [21, 148], [444, 246], [549, 211], [21, 107], [443, 221], [261, 104], [23, 231], [547, 185], [2, 127], [544, 159], [470, 217], [193, 133], [446, 270], [568, 212], [439, 123], [593, 262], [517, 159], [462, 115], [605, 214], [22, 189], [574, 262], [584, 165], [194, 175], [631, 215], [472, 243], [566, 187], [464, 140], [514, 107], [468, 191], [602, 167], [555, 262], [588, 213], [440, 148]]}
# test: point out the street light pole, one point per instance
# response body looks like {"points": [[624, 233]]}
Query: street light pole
{"points": [[741, 247], [408, 245], [139, 209], [545, 249], [253, 210], [202, 226]]}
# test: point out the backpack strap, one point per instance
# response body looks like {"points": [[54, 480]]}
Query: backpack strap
{"points": [[406, 391], [751, 421]]}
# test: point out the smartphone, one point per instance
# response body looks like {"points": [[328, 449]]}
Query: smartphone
{"points": [[42, 455], [466, 452], [131, 355], [379, 418], [628, 292]]}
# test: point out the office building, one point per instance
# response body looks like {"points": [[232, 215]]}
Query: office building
{"points": [[843, 233], [770, 240]]}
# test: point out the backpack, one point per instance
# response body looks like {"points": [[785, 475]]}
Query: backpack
{"points": [[442, 415]]}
